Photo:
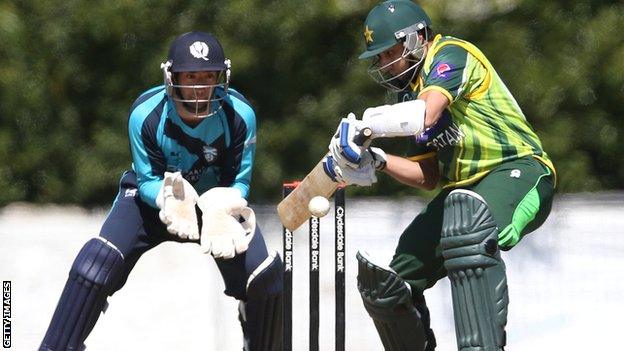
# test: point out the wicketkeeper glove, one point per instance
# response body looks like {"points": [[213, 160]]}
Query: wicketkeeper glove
{"points": [[176, 200], [228, 225]]}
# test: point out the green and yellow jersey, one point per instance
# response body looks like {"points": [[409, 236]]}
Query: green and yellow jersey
{"points": [[482, 127]]}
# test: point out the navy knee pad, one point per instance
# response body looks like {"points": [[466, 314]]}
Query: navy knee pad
{"points": [[84, 297], [261, 314]]}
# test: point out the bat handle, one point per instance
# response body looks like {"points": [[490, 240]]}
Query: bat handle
{"points": [[361, 137]]}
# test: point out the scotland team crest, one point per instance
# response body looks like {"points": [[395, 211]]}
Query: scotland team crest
{"points": [[199, 49], [210, 153]]}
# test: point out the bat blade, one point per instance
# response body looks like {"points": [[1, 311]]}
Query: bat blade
{"points": [[293, 209]]}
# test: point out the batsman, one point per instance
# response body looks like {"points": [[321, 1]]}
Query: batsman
{"points": [[192, 142], [470, 137]]}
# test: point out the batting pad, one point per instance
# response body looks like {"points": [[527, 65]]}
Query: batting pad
{"points": [[476, 270], [388, 300]]}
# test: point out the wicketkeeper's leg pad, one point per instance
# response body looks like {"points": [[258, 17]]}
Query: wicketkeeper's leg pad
{"points": [[84, 296], [387, 299], [261, 313], [476, 270]]}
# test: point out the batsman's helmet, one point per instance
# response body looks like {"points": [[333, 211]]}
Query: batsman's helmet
{"points": [[389, 23], [196, 52]]}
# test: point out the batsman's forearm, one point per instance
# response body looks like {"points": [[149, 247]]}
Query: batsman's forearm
{"points": [[417, 174]]}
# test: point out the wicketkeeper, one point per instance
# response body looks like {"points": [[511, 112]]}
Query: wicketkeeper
{"points": [[470, 136], [193, 143]]}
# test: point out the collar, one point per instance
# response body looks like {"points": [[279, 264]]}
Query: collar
{"points": [[415, 86]]}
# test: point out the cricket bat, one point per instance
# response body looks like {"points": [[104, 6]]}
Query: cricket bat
{"points": [[293, 209]]}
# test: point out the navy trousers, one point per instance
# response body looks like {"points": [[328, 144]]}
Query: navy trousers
{"points": [[134, 228]]}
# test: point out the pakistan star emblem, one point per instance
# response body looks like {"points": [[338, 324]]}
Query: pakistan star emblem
{"points": [[368, 34]]}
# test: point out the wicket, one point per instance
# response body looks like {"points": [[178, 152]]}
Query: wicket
{"points": [[314, 257]]}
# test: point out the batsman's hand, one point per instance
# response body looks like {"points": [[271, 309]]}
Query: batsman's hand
{"points": [[176, 200], [376, 157], [363, 175], [228, 225], [342, 147]]}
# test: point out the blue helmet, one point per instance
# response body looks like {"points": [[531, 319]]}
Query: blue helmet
{"points": [[196, 52]]}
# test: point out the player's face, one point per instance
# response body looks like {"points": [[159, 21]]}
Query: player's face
{"points": [[396, 68], [392, 62], [199, 85]]}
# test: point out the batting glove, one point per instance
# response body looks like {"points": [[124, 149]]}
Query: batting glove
{"points": [[364, 175], [376, 157], [343, 147]]}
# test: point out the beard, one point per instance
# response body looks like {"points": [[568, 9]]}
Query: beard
{"points": [[408, 76], [194, 107], [399, 82]]}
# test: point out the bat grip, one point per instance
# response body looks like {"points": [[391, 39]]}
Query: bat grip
{"points": [[363, 135]]}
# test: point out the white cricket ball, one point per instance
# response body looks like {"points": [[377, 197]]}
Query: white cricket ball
{"points": [[318, 206]]}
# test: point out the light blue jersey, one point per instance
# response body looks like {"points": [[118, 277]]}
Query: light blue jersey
{"points": [[219, 151]]}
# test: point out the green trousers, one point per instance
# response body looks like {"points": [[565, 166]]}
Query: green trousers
{"points": [[519, 195]]}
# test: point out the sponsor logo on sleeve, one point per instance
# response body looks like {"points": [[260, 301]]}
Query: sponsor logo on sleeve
{"points": [[442, 70]]}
